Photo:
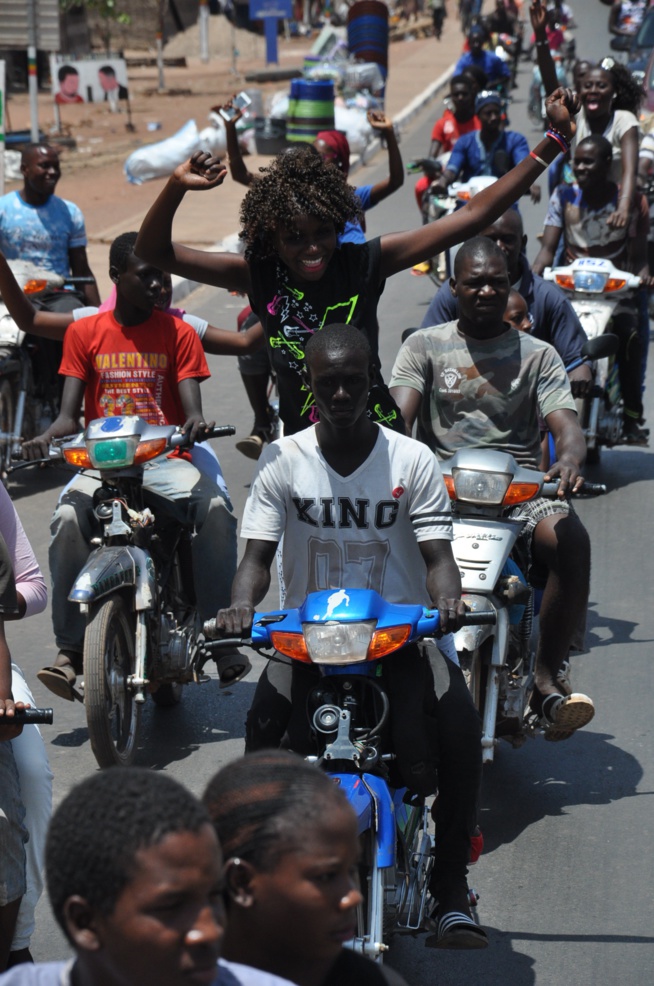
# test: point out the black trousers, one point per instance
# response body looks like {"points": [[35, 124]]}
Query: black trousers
{"points": [[624, 325], [431, 710]]}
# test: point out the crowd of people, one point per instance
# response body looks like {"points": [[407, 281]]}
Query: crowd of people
{"points": [[143, 878]]}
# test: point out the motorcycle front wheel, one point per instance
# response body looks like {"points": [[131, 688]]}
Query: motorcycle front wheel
{"points": [[112, 714]]}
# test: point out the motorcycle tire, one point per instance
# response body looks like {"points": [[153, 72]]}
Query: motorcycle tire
{"points": [[112, 713]]}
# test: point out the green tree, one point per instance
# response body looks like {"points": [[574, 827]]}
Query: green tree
{"points": [[108, 14]]}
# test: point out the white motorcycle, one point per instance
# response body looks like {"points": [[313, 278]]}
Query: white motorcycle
{"points": [[497, 658], [29, 394], [436, 205], [595, 287]]}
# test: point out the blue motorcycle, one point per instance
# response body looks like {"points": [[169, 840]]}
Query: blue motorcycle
{"points": [[346, 633]]}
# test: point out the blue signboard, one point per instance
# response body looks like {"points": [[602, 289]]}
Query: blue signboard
{"points": [[260, 9], [271, 12]]}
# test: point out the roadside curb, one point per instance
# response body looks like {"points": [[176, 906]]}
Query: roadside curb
{"points": [[183, 286]]}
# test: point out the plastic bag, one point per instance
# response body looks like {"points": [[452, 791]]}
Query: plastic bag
{"points": [[160, 160]]}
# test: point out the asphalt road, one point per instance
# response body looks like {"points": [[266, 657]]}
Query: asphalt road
{"points": [[566, 879]]}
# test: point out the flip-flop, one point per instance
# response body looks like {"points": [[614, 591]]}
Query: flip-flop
{"points": [[252, 446], [563, 715], [457, 930], [236, 662], [61, 681]]}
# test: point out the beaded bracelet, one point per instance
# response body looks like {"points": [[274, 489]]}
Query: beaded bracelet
{"points": [[560, 139], [542, 163]]}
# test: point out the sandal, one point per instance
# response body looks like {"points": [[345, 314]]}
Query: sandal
{"points": [[252, 446], [562, 715], [61, 681], [232, 667], [455, 929]]}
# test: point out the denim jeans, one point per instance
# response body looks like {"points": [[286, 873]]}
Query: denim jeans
{"points": [[192, 499]]}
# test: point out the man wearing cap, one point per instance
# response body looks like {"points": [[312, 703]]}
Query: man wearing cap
{"points": [[490, 151], [495, 69]]}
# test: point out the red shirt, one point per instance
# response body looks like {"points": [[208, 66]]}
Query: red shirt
{"points": [[448, 129], [133, 369]]}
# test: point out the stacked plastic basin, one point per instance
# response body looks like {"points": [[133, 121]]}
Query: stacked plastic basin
{"points": [[367, 33], [310, 109]]}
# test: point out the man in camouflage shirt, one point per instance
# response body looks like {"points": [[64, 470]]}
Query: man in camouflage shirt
{"points": [[478, 382]]}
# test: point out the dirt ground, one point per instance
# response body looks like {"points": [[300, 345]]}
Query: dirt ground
{"points": [[92, 174], [92, 169]]}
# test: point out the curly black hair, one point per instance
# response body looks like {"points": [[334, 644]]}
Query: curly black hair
{"points": [[99, 827], [121, 250], [629, 93], [297, 183]]}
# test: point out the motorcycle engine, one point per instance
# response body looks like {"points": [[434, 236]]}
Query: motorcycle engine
{"points": [[177, 644], [611, 425]]}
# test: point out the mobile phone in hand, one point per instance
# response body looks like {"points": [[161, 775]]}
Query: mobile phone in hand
{"points": [[239, 102]]}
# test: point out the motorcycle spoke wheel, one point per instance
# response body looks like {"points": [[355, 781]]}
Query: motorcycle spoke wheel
{"points": [[112, 713]]}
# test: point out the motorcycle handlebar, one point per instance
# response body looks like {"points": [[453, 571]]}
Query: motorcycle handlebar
{"points": [[211, 631], [588, 489], [23, 717], [221, 431], [472, 619]]}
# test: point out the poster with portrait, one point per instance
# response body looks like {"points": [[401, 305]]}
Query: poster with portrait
{"points": [[88, 80]]}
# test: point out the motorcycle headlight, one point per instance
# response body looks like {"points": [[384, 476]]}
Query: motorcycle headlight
{"points": [[338, 643], [590, 280], [474, 486], [114, 453], [119, 453]]}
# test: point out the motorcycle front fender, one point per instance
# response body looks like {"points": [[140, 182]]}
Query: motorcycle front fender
{"points": [[108, 569], [372, 802]]}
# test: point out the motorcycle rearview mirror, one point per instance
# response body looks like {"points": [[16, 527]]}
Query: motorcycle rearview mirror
{"points": [[601, 347]]}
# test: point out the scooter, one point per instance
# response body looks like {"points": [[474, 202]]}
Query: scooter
{"points": [[29, 397], [595, 287], [346, 633], [435, 206], [136, 588], [496, 656]]}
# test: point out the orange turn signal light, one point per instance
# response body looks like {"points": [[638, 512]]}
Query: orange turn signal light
{"points": [[78, 457], [149, 450], [385, 641], [34, 286], [291, 644], [520, 493], [566, 281], [615, 284], [449, 486]]}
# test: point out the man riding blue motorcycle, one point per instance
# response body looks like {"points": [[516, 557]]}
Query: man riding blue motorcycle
{"points": [[360, 506]]}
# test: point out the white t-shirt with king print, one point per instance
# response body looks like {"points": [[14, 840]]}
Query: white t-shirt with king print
{"points": [[359, 531]]}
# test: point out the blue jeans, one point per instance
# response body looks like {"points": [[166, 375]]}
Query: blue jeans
{"points": [[192, 500]]}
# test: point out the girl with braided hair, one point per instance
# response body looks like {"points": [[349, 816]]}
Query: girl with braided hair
{"points": [[289, 839], [296, 275]]}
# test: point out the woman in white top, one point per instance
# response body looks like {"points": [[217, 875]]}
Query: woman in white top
{"points": [[610, 99]]}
